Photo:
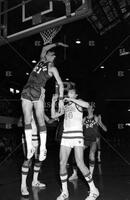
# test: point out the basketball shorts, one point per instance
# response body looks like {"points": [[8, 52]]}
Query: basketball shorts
{"points": [[72, 139], [90, 136], [31, 93]]}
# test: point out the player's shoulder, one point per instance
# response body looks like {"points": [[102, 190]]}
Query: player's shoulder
{"points": [[79, 99], [95, 116], [51, 64]]}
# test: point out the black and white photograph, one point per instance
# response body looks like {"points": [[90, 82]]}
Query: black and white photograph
{"points": [[64, 99]]}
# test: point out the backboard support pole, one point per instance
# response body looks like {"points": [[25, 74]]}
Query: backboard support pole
{"points": [[3, 19], [33, 30], [38, 25]]}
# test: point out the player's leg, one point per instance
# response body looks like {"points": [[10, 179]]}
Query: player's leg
{"points": [[24, 171], [79, 151], [74, 175], [36, 169], [64, 155], [92, 153], [37, 163], [39, 110], [27, 112], [99, 149]]}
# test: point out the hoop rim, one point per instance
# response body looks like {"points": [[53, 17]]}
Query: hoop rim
{"points": [[48, 34]]}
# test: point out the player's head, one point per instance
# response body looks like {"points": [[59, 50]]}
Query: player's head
{"points": [[72, 93], [50, 56], [91, 106]]}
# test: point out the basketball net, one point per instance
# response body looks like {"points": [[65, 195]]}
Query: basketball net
{"points": [[48, 34]]}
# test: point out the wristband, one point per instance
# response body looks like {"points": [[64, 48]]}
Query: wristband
{"points": [[60, 98]]}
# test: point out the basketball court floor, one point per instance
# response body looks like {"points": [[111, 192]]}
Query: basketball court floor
{"points": [[111, 176]]}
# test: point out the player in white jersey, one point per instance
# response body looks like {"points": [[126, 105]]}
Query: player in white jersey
{"points": [[72, 137], [72, 128], [28, 162]]}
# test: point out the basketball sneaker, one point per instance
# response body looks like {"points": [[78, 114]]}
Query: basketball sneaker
{"points": [[93, 195], [24, 191], [38, 184], [63, 196]]}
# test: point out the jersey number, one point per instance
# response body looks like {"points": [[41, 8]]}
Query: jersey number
{"points": [[39, 67], [69, 115]]}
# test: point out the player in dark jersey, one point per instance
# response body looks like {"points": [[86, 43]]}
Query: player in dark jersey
{"points": [[91, 124], [31, 96], [28, 162]]}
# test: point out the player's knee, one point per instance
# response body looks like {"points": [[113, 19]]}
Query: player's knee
{"points": [[40, 115], [26, 163], [41, 121], [28, 126], [63, 163], [79, 162], [92, 155], [91, 162], [98, 141], [27, 118], [38, 163], [42, 128]]}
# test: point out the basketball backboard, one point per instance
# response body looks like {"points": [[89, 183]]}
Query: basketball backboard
{"points": [[19, 19]]}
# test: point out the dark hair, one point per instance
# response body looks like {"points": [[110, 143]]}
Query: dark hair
{"points": [[92, 104], [75, 89]]}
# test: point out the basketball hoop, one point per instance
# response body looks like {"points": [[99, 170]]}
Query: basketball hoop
{"points": [[48, 34]]}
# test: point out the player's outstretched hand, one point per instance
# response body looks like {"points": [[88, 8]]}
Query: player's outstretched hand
{"points": [[62, 44], [66, 99]]}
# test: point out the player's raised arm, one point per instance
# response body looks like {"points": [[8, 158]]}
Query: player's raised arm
{"points": [[60, 84], [54, 113], [59, 81], [50, 46], [80, 102]]}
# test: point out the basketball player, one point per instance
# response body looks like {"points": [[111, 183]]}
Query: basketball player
{"points": [[72, 137], [57, 115], [91, 125], [31, 96], [28, 162]]}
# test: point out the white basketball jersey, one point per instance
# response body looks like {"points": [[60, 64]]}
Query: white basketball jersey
{"points": [[73, 117]]}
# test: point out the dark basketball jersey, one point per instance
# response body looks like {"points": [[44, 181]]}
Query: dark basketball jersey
{"points": [[39, 75], [90, 129]]}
